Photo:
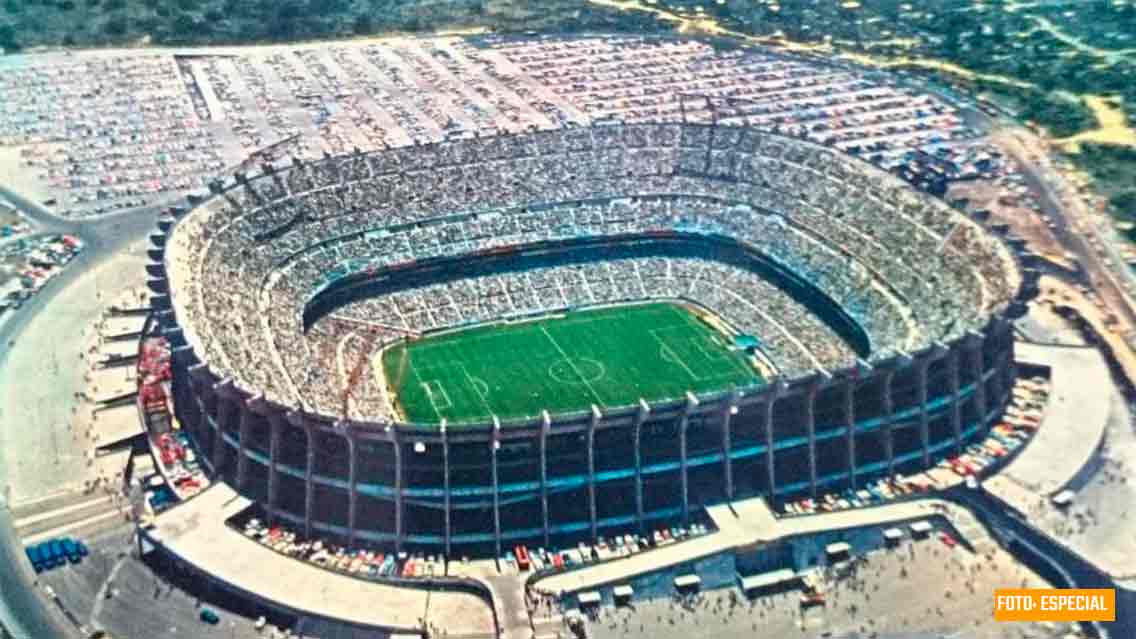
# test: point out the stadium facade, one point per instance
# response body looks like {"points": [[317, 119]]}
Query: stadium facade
{"points": [[923, 363]]}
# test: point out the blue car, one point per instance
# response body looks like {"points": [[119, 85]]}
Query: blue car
{"points": [[55, 549], [71, 549], [35, 555]]}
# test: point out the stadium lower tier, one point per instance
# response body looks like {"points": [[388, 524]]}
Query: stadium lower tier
{"points": [[479, 489]]}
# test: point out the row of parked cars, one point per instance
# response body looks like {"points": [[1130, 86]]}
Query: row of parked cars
{"points": [[1022, 418], [376, 564], [878, 491], [33, 261], [522, 558], [358, 562], [55, 553]]}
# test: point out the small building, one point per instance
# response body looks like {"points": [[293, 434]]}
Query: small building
{"points": [[838, 551], [893, 537], [589, 598], [688, 583], [767, 583], [921, 529], [622, 594], [747, 343], [1063, 498]]}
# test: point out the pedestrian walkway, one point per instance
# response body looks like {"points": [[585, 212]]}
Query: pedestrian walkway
{"points": [[195, 532], [1072, 428], [753, 523]]}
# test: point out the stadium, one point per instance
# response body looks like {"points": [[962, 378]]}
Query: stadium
{"points": [[557, 335]]}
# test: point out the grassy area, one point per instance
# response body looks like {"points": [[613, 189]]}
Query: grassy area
{"points": [[91, 23], [1113, 172], [609, 357]]}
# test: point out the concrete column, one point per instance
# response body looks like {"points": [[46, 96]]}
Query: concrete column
{"points": [[1007, 370], [998, 388], [727, 463], [226, 414], [352, 484], [309, 481], [206, 430], [767, 427], [956, 409], [392, 435], [446, 483], [494, 446], [209, 397], [887, 402], [276, 424], [545, 430], [976, 372], [194, 394], [640, 419], [683, 425], [591, 436], [924, 422], [850, 432], [243, 426], [810, 427]]}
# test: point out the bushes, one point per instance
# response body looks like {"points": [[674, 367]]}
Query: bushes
{"points": [[1060, 115]]}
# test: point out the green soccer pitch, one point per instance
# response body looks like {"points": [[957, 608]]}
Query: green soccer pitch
{"points": [[609, 357]]}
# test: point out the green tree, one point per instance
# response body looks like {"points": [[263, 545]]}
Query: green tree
{"points": [[1124, 203]]}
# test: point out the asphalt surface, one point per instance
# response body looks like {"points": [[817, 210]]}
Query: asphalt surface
{"points": [[1104, 279], [24, 612], [102, 238]]}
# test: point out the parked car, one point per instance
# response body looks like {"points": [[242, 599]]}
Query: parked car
{"points": [[208, 616]]}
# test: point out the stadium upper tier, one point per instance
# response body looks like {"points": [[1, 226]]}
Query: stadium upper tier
{"points": [[279, 280]]}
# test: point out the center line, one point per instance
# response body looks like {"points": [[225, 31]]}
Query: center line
{"points": [[591, 390]]}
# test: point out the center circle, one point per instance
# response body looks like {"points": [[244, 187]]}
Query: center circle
{"points": [[576, 371]]}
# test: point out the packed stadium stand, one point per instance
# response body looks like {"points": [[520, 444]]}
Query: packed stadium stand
{"points": [[881, 311]]}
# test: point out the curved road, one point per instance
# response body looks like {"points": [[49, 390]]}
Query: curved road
{"points": [[24, 611], [101, 238]]}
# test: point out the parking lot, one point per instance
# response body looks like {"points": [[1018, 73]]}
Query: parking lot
{"points": [[91, 133], [27, 264]]}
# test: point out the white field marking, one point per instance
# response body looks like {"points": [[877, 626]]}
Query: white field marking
{"points": [[601, 371], [430, 396], [665, 350], [430, 386], [591, 390], [473, 382], [715, 336], [719, 358]]}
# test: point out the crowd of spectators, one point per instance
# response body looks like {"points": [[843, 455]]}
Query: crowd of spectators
{"points": [[907, 268]]}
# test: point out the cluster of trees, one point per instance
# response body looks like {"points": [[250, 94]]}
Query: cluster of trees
{"points": [[85, 23], [1124, 203], [1061, 115], [28, 23], [1113, 169]]}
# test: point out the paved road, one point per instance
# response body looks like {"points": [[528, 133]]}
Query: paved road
{"points": [[102, 238], [1072, 228], [23, 611]]}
